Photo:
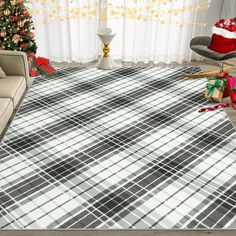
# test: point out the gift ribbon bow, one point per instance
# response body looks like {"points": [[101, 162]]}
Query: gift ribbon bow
{"points": [[216, 85], [223, 77], [225, 81], [217, 107]]}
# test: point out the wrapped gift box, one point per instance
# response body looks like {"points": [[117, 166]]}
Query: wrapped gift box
{"points": [[231, 84], [224, 36], [214, 91]]}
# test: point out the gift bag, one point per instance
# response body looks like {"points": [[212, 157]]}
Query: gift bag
{"points": [[231, 84], [223, 38]]}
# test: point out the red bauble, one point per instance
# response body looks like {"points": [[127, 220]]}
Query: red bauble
{"points": [[14, 18], [25, 14], [24, 45], [2, 3]]}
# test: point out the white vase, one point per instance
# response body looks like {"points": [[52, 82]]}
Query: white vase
{"points": [[106, 62]]}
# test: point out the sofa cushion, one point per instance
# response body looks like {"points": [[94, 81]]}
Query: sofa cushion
{"points": [[2, 73], [12, 87], [6, 109]]}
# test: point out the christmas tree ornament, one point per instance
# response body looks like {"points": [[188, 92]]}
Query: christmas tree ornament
{"points": [[16, 38], [2, 3], [32, 35], [6, 12], [21, 24], [3, 34], [25, 14], [14, 2]]}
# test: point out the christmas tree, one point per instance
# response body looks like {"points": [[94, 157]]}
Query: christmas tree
{"points": [[16, 27]]}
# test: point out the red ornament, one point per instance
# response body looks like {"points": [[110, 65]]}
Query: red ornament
{"points": [[2, 3], [26, 14], [24, 45], [14, 18]]}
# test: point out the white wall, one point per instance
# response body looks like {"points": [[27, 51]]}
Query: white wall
{"points": [[214, 14]]}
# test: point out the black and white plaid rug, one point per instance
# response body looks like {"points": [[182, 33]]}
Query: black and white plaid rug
{"points": [[118, 149]]}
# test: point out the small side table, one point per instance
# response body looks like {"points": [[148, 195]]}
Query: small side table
{"points": [[106, 62]]}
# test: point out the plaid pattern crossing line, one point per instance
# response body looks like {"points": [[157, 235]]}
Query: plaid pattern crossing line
{"points": [[124, 148]]}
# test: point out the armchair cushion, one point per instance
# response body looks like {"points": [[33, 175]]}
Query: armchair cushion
{"points": [[12, 87], [2, 73]]}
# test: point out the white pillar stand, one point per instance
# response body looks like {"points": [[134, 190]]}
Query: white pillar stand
{"points": [[106, 63]]}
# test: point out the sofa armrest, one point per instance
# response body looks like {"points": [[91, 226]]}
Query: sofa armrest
{"points": [[15, 63]]}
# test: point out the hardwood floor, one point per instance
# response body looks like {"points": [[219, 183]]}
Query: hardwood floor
{"points": [[118, 233]]}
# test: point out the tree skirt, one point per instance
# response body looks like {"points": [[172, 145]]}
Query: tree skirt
{"points": [[125, 148]]}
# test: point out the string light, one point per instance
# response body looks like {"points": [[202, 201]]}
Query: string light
{"points": [[142, 10]]}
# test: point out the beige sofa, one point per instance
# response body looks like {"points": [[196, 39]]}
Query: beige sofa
{"points": [[12, 88]]}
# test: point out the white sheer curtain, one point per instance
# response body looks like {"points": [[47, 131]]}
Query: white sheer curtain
{"points": [[66, 29], [229, 9], [147, 30], [158, 30]]}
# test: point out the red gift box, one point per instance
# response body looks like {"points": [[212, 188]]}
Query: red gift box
{"points": [[231, 84]]}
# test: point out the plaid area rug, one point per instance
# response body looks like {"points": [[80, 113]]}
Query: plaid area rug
{"points": [[125, 148]]}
